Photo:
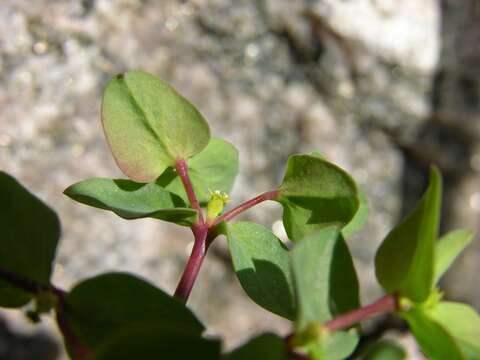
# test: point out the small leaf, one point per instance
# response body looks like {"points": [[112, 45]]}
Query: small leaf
{"points": [[149, 125], [434, 340], [98, 307], [265, 347], [448, 248], [314, 194], [405, 260], [153, 342], [30, 233], [320, 263], [463, 323], [262, 265], [335, 346], [360, 217], [385, 350], [215, 168], [131, 200]]}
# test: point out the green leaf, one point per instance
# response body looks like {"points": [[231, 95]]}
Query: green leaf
{"points": [[463, 323], [30, 231], [155, 342], [434, 340], [98, 307], [149, 125], [325, 280], [262, 264], [448, 248], [131, 200], [314, 194], [385, 350], [215, 168], [335, 346], [266, 347], [405, 260], [359, 218]]}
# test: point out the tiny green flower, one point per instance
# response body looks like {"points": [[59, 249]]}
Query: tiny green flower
{"points": [[216, 203]]}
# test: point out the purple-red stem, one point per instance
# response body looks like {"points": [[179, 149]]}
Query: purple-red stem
{"points": [[269, 195], [388, 303], [182, 170], [194, 263]]}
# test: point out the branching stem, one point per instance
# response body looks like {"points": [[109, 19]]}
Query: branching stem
{"points": [[193, 264], [182, 170], [269, 195], [388, 303]]}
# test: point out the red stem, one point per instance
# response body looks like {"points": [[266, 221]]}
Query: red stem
{"points": [[269, 195], [388, 303], [193, 265], [182, 170]]}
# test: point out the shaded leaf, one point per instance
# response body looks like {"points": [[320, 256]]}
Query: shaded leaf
{"points": [[214, 168], [262, 264], [153, 342], [448, 248], [434, 340], [321, 262], [405, 260], [131, 200], [98, 307], [266, 347], [314, 194], [359, 218], [385, 350], [30, 231], [463, 323], [149, 125]]}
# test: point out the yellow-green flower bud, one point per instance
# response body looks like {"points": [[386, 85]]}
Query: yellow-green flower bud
{"points": [[215, 206]]}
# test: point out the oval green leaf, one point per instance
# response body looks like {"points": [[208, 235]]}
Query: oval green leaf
{"points": [[266, 347], [405, 260], [321, 262], [98, 307], [314, 194], [334, 346], [262, 264], [131, 200], [434, 339], [215, 168], [463, 323], [148, 125], [30, 231], [448, 248]]}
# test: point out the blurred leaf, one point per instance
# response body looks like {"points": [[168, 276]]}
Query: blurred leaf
{"points": [[265, 347], [434, 340], [214, 168], [324, 277], [405, 260], [98, 307], [149, 125], [335, 346], [359, 218], [153, 342], [385, 350], [315, 194], [30, 231], [448, 248], [463, 323], [131, 200], [262, 265]]}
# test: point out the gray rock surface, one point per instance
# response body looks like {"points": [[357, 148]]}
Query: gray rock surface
{"points": [[368, 83]]}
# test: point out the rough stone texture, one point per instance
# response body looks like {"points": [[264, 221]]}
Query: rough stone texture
{"points": [[361, 81]]}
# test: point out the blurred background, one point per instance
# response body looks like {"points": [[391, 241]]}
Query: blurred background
{"points": [[382, 87]]}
